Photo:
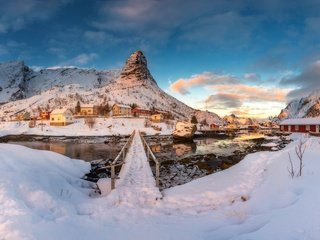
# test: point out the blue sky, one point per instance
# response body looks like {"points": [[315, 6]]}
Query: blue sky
{"points": [[244, 57]]}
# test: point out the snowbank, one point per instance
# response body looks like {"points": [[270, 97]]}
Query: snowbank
{"points": [[42, 197], [103, 127]]}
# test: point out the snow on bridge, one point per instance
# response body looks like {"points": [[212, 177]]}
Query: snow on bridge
{"points": [[136, 183]]}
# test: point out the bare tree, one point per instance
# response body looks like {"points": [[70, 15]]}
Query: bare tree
{"points": [[300, 149], [291, 169]]}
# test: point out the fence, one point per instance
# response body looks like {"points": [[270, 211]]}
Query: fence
{"points": [[153, 158], [122, 155]]}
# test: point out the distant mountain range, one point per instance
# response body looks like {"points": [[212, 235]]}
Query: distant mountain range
{"points": [[25, 90], [302, 108]]}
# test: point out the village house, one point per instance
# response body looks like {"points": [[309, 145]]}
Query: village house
{"points": [[165, 114], [87, 109], [140, 112], [301, 125], [61, 117], [214, 126], [156, 118], [44, 115], [121, 110]]}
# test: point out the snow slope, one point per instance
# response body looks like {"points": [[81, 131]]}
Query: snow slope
{"points": [[28, 90], [103, 127], [42, 197]]}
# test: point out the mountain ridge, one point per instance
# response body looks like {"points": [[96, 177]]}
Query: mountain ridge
{"points": [[302, 108], [51, 88]]}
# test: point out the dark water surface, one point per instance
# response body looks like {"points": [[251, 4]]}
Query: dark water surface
{"points": [[84, 151]]}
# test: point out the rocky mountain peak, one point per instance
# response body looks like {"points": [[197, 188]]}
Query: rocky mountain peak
{"points": [[304, 107], [136, 69]]}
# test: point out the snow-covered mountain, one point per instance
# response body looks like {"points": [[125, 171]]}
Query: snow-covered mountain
{"points": [[302, 108], [233, 119], [23, 89]]}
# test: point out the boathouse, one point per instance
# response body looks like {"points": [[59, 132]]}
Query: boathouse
{"points": [[301, 125]]}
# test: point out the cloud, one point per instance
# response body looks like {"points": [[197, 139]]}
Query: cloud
{"points": [[252, 77], [101, 37], [182, 85], [252, 93], [307, 81], [15, 14], [223, 30], [223, 100], [80, 59], [84, 58]]}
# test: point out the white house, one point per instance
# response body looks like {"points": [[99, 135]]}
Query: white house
{"points": [[61, 117]]}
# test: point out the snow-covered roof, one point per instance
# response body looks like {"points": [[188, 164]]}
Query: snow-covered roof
{"points": [[122, 105], [301, 121], [59, 111], [86, 105], [141, 109]]}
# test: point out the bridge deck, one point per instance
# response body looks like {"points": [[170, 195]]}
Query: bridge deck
{"points": [[136, 184]]}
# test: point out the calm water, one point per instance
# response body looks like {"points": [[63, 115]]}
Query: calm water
{"points": [[168, 149], [220, 147], [84, 151]]}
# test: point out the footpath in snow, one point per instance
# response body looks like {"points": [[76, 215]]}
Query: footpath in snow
{"points": [[136, 185]]}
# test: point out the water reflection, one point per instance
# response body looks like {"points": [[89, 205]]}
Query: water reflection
{"points": [[184, 148], [202, 146], [84, 151]]}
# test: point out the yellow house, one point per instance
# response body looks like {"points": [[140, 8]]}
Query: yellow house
{"points": [[121, 110], [157, 118], [87, 109], [61, 117]]}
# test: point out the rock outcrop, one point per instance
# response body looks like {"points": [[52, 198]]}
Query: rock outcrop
{"points": [[184, 131], [136, 70]]}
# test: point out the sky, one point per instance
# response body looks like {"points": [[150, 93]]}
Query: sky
{"points": [[249, 57]]}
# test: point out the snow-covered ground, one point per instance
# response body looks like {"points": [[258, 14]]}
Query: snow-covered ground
{"points": [[43, 197], [103, 127]]}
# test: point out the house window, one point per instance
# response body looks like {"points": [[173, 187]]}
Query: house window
{"points": [[308, 127], [297, 127], [281, 127], [52, 119]]}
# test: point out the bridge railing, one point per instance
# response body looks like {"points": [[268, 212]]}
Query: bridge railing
{"points": [[151, 157], [121, 156]]}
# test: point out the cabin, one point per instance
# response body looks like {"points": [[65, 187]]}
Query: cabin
{"points": [[44, 115], [140, 112], [165, 114], [157, 118], [253, 127], [121, 110], [231, 126], [303, 125], [61, 117], [214, 126], [87, 109]]}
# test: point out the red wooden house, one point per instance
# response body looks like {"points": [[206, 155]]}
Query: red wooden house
{"points": [[301, 125], [140, 112], [214, 126]]}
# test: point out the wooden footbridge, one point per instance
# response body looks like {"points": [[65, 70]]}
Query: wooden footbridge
{"points": [[135, 179]]}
